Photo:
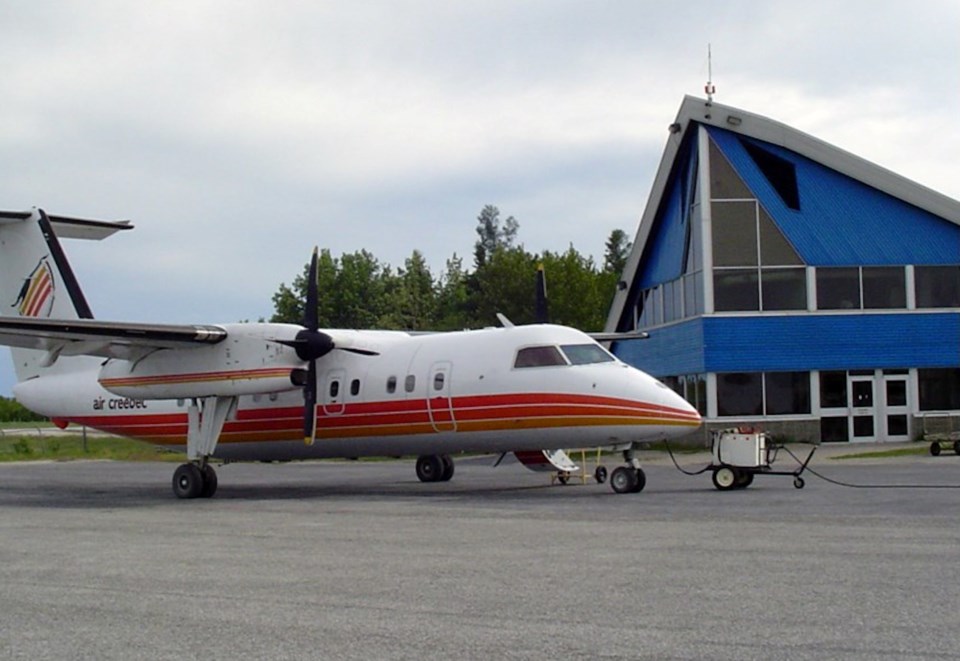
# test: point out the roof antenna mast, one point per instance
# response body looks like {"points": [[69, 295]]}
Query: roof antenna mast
{"points": [[709, 88]]}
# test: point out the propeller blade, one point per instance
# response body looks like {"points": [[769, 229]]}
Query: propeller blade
{"points": [[310, 404], [541, 310], [310, 320]]}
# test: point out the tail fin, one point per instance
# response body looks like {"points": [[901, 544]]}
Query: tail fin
{"points": [[35, 277]]}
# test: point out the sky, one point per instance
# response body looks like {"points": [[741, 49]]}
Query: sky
{"points": [[236, 135]]}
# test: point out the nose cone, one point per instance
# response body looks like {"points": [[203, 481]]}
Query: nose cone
{"points": [[687, 417]]}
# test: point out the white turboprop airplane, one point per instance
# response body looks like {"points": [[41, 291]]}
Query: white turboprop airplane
{"points": [[268, 391]]}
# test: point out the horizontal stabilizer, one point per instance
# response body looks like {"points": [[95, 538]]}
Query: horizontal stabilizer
{"points": [[72, 228]]}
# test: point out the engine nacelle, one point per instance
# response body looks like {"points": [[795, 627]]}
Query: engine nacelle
{"points": [[248, 362]]}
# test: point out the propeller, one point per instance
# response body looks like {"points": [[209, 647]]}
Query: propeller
{"points": [[311, 344], [541, 309]]}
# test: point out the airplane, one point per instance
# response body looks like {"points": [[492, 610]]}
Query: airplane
{"points": [[278, 392]]}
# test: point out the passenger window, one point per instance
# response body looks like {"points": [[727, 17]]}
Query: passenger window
{"points": [[334, 389], [392, 384], [438, 381], [586, 354], [355, 387], [539, 357], [410, 383]]}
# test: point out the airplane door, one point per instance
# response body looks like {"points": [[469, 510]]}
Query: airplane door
{"points": [[333, 392], [439, 401]]}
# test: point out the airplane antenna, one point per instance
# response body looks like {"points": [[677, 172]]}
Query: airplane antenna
{"points": [[709, 88]]}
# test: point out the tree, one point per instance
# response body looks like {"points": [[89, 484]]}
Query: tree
{"points": [[453, 311], [411, 298], [492, 235], [617, 250]]}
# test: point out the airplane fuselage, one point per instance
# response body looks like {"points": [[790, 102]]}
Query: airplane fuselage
{"points": [[475, 391]]}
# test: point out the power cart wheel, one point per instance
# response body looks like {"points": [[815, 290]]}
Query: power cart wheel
{"points": [[724, 478], [798, 482]]}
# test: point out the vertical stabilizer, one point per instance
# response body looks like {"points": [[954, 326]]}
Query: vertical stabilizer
{"points": [[35, 277]]}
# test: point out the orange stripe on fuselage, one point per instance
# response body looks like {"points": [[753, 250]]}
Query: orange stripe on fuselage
{"points": [[196, 377], [406, 417]]}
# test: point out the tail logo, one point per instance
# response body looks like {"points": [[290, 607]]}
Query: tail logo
{"points": [[37, 293]]}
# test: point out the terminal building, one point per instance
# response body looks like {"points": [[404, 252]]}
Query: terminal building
{"points": [[791, 286]]}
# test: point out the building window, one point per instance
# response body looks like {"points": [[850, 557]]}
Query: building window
{"points": [[939, 389], [838, 288], [884, 287], [833, 390], [740, 393], [787, 392], [937, 286], [734, 233], [756, 393], [834, 429], [736, 290], [784, 289]]}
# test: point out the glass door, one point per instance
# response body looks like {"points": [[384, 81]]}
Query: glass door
{"points": [[896, 409], [863, 411]]}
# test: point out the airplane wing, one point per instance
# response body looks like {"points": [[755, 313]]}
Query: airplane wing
{"points": [[87, 337]]}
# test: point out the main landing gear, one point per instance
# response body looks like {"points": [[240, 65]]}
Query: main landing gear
{"points": [[194, 481], [205, 420], [629, 478], [435, 468]]}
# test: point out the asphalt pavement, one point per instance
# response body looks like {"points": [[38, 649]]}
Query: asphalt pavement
{"points": [[359, 560]]}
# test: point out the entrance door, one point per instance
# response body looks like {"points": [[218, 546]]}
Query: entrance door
{"points": [[863, 410], [896, 408], [439, 402]]}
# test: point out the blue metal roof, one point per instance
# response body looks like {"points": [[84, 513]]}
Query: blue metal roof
{"points": [[663, 259], [841, 221]]}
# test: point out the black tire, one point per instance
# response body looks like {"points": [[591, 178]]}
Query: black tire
{"points": [[744, 479], [187, 481], [600, 475], [448, 468], [956, 447], [209, 482], [563, 478], [724, 478], [429, 468], [935, 448], [623, 480], [798, 482], [641, 478]]}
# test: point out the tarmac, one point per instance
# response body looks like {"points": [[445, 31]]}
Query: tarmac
{"points": [[359, 560]]}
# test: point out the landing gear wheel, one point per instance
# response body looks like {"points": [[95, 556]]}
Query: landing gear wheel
{"points": [[624, 479], [209, 482], [956, 447], [429, 468], [743, 479], [187, 481], [600, 475], [563, 477], [447, 468], [798, 482], [641, 478], [724, 478], [935, 448]]}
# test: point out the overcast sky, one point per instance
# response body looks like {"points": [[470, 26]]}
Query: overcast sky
{"points": [[237, 135]]}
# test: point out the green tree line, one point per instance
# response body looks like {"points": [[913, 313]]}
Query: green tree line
{"points": [[358, 291]]}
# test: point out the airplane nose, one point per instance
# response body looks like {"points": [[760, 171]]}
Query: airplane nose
{"points": [[685, 410]]}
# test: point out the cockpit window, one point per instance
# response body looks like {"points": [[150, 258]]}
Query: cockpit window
{"points": [[586, 354], [539, 357]]}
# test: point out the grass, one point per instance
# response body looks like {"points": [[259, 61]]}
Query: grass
{"points": [[885, 454], [71, 447]]}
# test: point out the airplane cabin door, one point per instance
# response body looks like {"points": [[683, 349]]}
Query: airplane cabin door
{"points": [[439, 400]]}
